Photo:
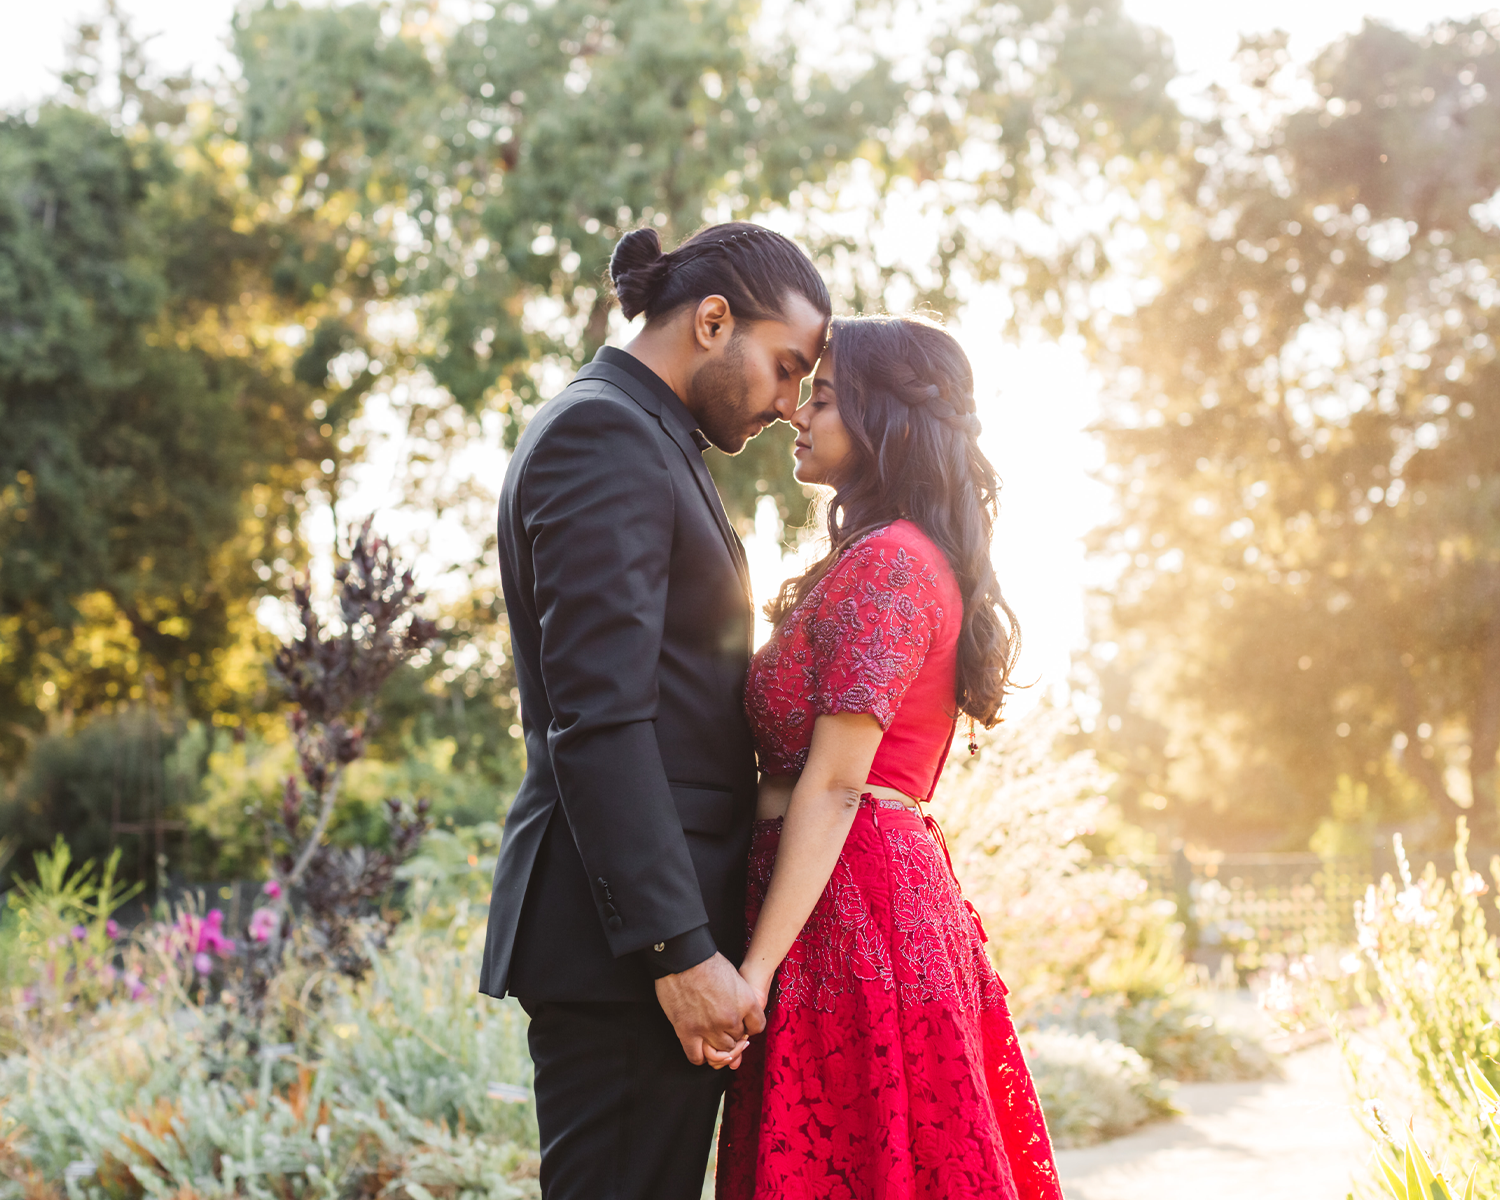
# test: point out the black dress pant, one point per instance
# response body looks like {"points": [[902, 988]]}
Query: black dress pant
{"points": [[622, 1113]]}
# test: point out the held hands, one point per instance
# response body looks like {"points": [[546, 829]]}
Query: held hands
{"points": [[761, 987], [713, 1010]]}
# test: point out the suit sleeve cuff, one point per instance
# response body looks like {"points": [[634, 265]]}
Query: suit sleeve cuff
{"points": [[680, 953]]}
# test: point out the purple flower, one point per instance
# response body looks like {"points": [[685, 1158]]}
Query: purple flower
{"points": [[263, 923], [272, 889], [111, 929], [79, 933], [203, 964], [133, 985]]}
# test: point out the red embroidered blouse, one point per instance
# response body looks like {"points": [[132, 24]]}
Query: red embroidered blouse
{"points": [[878, 634]]}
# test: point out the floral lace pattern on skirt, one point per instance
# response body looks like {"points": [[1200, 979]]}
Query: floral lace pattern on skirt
{"points": [[890, 1066]]}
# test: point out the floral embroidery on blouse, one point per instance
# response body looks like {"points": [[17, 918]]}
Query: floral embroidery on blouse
{"points": [[854, 645]]}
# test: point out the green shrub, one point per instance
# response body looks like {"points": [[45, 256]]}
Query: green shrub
{"points": [[245, 778], [438, 1048], [403, 1083], [1179, 1040], [1092, 1089], [75, 781], [1183, 1042], [450, 876]]}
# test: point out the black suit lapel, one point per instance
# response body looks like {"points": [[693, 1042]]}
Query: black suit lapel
{"points": [[641, 394]]}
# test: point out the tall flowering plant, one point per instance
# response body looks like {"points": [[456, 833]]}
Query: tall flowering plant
{"points": [[70, 957], [320, 899], [1434, 970], [66, 935]]}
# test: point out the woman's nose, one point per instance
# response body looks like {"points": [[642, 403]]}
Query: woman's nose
{"points": [[799, 417]]}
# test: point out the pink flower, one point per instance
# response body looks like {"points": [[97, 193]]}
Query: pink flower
{"points": [[211, 937], [111, 929], [263, 923], [272, 889], [79, 933], [133, 985], [203, 964]]}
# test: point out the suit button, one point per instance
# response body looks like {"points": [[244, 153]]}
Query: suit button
{"points": [[659, 947], [615, 924]]}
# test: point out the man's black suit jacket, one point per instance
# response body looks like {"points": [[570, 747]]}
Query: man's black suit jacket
{"points": [[628, 599]]}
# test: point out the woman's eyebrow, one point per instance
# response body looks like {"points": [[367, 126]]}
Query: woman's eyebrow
{"points": [[822, 381]]}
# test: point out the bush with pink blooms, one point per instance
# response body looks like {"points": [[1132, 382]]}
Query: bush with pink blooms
{"points": [[65, 955], [327, 1048], [324, 909]]}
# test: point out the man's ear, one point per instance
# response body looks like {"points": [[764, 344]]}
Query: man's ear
{"points": [[713, 323]]}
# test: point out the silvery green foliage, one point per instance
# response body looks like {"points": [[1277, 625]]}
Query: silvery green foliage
{"points": [[387, 1091], [435, 1046], [1179, 1040], [1092, 1089]]}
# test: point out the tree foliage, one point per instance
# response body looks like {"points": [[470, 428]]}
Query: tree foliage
{"points": [[199, 290], [141, 424], [1306, 454]]}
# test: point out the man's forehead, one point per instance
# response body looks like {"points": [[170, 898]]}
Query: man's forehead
{"points": [[804, 345]]}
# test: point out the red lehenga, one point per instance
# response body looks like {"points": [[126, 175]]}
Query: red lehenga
{"points": [[889, 1068]]}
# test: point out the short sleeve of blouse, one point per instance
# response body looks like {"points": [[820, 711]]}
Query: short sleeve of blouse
{"points": [[874, 623]]}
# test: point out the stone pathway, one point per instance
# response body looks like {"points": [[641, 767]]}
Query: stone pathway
{"points": [[1282, 1139]]}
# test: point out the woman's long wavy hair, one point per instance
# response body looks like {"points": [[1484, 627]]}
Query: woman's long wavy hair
{"points": [[906, 395]]}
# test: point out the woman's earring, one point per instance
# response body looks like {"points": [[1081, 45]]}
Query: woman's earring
{"points": [[973, 745]]}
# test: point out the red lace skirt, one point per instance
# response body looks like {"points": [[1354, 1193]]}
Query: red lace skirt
{"points": [[889, 1068]]}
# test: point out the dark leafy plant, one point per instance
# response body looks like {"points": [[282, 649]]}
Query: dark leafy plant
{"points": [[322, 900]]}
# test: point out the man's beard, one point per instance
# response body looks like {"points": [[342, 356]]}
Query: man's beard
{"points": [[719, 395]]}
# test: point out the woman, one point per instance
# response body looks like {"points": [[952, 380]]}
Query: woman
{"points": [[890, 1066]]}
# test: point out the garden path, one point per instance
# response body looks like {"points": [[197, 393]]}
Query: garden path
{"points": [[1293, 1138]]}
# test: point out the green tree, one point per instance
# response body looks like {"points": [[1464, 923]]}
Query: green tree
{"points": [[484, 173], [199, 291], [132, 440], [1306, 453]]}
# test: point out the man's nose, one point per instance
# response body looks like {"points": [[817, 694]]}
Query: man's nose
{"points": [[786, 405]]}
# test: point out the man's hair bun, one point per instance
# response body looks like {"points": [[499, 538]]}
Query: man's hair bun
{"points": [[754, 268], [637, 269]]}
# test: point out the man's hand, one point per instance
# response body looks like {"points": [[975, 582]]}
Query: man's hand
{"points": [[712, 1008]]}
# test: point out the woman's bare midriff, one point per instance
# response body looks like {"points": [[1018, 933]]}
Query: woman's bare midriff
{"points": [[776, 796]]}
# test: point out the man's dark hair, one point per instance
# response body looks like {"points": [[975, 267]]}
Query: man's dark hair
{"points": [[752, 267]]}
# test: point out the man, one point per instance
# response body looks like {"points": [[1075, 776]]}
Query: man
{"points": [[617, 915]]}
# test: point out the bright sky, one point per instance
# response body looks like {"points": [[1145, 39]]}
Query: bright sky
{"points": [[1035, 401]]}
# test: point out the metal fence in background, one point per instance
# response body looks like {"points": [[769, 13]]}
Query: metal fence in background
{"points": [[1261, 909]]}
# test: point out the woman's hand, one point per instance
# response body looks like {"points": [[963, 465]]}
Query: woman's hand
{"points": [[760, 984], [719, 1059]]}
